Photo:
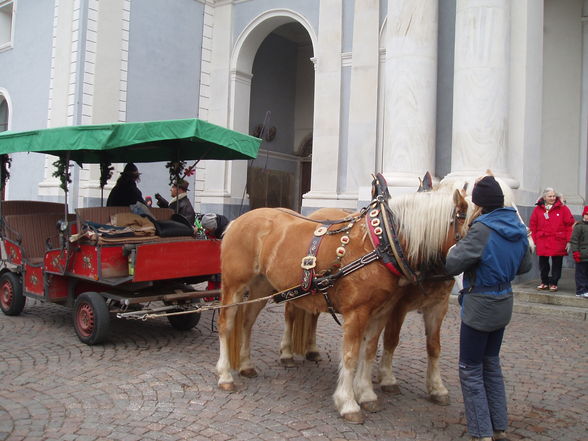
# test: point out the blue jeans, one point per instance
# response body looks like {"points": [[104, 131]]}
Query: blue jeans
{"points": [[482, 383]]}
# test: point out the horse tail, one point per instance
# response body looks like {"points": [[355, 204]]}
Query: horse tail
{"points": [[301, 330], [234, 340]]}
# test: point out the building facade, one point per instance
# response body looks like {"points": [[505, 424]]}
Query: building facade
{"points": [[338, 89]]}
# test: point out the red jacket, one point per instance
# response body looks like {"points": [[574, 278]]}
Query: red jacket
{"points": [[551, 230]]}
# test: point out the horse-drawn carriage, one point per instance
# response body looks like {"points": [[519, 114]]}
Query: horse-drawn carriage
{"points": [[108, 260]]}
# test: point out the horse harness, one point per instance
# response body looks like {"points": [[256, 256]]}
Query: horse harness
{"points": [[379, 220]]}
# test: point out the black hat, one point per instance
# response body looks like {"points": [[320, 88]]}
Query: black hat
{"points": [[487, 193], [130, 169]]}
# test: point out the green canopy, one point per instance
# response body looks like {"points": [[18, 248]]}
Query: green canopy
{"points": [[154, 141]]}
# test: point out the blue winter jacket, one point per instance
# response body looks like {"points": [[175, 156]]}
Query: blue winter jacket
{"points": [[492, 253]]}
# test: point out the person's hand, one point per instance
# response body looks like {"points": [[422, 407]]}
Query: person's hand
{"points": [[576, 256]]}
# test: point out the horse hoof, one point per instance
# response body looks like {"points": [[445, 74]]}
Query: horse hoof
{"points": [[354, 417], [441, 400], [287, 362], [314, 356], [248, 373], [227, 387], [392, 389], [371, 406]]}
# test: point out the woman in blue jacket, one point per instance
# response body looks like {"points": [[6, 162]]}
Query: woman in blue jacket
{"points": [[492, 253]]}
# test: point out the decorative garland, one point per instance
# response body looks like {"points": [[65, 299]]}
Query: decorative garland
{"points": [[62, 171], [106, 171], [5, 162], [178, 171]]}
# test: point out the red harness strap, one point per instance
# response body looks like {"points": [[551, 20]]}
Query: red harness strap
{"points": [[376, 229]]}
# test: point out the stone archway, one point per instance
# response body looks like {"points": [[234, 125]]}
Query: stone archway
{"points": [[272, 81]]}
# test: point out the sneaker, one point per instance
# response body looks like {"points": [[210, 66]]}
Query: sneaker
{"points": [[585, 295], [542, 287], [579, 294], [552, 288]]}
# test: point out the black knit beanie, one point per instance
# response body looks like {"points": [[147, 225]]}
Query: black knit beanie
{"points": [[487, 193]]}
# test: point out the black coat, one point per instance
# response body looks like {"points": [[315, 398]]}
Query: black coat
{"points": [[184, 208], [124, 193]]}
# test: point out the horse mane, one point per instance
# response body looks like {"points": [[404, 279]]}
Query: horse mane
{"points": [[423, 221], [473, 212]]}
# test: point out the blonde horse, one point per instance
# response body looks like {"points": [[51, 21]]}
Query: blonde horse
{"points": [[261, 253], [430, 297]]}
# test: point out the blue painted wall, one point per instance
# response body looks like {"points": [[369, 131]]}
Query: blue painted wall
{"points": [[165, 50], [24, 74], [164, 59]]}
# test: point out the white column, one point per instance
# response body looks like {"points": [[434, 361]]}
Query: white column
{"points": [[526, 98], [363, 104], [411, 91], [216, 175], [480, 99], [583, 176], [327, 107]]}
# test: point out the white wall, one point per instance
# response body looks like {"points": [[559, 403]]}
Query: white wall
{"points": [[562, 70]]}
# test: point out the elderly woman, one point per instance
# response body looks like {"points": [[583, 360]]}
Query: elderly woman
{"points": [[551, 228]]}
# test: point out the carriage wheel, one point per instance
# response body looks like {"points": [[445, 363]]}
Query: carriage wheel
{"points": [[184, 322], [91, 318], [12, 300]]}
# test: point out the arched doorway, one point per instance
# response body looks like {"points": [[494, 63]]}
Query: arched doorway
{"points": [[272, 80]]}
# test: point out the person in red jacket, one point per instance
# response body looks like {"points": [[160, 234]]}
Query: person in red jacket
{"points": [[551, 226]]}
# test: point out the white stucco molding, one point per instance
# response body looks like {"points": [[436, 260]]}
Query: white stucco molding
{"points": [[260, 27], [4, 94]]}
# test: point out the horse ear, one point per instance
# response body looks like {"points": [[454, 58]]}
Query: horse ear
{"points": [[428, 181], [425, 184], [459, 198]]}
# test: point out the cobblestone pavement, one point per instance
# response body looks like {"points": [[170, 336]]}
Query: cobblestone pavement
{"points": [[155, 383]]}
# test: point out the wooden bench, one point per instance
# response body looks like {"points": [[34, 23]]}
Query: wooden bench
{"points": [[32, 231], [102, 215], [30, 207]]}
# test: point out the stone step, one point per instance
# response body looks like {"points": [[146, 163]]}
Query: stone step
{"points": [[548, 298], [558, 305], [561, 311]]}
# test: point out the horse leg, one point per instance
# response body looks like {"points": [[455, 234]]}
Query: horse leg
{"points": [[299, 335], [388, 381], [433, 317], [286, 354], [312, 352], [364, 390], [259, 287], [344, 397]]}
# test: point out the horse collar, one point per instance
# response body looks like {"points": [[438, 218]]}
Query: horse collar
{"points": [[380, 224]]}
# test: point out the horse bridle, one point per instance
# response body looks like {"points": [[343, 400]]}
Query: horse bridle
{"points": [[457, 217]]}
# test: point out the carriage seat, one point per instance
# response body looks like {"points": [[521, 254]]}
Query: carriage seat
{"points": [[30, 207], [32, 232], [103, 215]]}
